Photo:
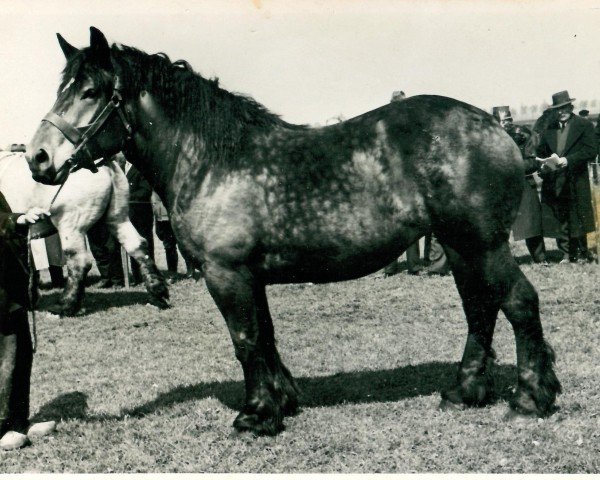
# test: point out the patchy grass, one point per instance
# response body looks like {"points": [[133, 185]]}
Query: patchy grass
{"points": [[142, 390]]}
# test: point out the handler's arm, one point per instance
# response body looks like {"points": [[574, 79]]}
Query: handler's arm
{"points": [[9, 226]]}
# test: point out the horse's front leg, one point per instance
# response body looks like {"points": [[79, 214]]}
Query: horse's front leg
{"points": [[78, 265], [137, 248], [271, 392]]}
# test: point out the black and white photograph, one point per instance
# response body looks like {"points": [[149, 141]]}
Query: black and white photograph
{"points": [[299, 237]]}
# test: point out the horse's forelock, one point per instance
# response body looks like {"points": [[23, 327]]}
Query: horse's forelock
{"points": [[79, 67]]}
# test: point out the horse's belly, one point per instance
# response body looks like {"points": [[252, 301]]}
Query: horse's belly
{"points": [[334, 259]]}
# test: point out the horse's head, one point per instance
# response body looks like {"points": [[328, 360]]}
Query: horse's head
{"points": [[548, 118], [87, 121]]}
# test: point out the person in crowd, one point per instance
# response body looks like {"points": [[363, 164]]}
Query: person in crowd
{"points": [[528, 224], [16, 349], [565, 180], [435, 257], [140, 213], [164, 232], [106, 250]]}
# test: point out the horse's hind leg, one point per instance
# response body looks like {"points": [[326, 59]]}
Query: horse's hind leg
{"points": [[117, 219], [487, 282], [475, 386], [137, 248], [78, 265], [271, 392]]}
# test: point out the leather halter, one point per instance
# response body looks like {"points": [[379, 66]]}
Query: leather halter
{"points": [[85, 154]]}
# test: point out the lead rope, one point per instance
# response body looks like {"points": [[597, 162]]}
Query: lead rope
{"points": [[31, 294], [32, 283]]}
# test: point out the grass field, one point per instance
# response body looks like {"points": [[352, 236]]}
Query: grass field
{"points": [[141, 390]]}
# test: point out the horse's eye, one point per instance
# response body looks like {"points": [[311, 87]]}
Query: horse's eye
{"points": [[89, 93]]}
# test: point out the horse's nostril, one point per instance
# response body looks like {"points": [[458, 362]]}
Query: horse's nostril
{"points": [[41, 156]]}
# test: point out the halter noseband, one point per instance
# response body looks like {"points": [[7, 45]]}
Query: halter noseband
{"points": [[85, 153]]}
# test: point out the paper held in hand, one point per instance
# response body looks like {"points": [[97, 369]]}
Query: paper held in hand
{"points": [[551, 163]]}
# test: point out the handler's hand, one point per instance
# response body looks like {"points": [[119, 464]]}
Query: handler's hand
{"points": [[33, 215]]}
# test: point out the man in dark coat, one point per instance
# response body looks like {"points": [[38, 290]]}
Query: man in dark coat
{"points": [[528, 224], [105, 248], [571, 144], [140, 212], [16, 352]]}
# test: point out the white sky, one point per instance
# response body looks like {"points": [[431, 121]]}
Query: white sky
{"points": [[311, 60]]}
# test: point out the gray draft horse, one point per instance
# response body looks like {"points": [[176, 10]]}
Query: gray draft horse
{"points": [[257, 201]]}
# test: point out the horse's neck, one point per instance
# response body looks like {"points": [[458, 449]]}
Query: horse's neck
{"points": [[158, 147], [154, 160]]}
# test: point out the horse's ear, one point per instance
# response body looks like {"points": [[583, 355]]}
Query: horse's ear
{"points": [[99, 47], [68, 49]]}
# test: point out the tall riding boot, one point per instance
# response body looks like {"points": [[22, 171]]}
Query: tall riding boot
{"points": [[56, 276], [172, 260]]}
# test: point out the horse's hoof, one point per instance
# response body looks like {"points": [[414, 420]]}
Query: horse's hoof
{"points": [[290, 408], [161, 303], [514, 416], [68, 312], [13, 440], [55, 309], [41, 429], [62, 311], [448, 406], [246, 422]]}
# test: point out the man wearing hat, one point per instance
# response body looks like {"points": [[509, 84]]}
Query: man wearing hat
{"points": [[528, 224], [566, 186]]}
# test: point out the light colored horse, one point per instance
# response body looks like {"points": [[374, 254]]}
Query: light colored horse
{"points": [[85, 198]]}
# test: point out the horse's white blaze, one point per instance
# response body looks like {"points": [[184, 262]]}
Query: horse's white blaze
{"points": [[68, 84]]}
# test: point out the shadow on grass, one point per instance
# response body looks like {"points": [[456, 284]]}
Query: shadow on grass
{"points": [[351, 387], [99, 301]]}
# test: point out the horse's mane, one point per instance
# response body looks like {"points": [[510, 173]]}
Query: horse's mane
{"points": [[220, 119]]}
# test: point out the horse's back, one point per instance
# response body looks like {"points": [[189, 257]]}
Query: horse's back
{"points": [[339, 202]]}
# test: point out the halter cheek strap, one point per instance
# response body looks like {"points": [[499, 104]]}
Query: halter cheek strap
{"points": [[84, 156]]}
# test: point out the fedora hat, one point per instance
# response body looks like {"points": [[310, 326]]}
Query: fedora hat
{"points": [[501, 113], [561, 99]]}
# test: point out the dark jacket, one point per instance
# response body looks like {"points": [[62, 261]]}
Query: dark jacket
{"points": [[139, 189], [529, 216], [14, 277], [567, 190], [140, 210]]}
